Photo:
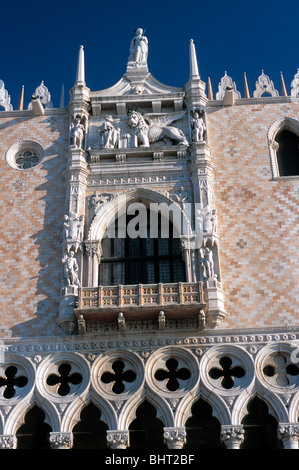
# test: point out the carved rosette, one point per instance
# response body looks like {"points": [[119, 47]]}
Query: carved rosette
{"points": [[118, 439], [232, 436], [175, 438]]}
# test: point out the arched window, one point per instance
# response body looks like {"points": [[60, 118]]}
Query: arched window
{"points": [[142, 259], [287, 152]]}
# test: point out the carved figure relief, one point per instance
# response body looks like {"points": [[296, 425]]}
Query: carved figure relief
{"points": [[139, 49], [151, 128], [109, 136], [198, 127], [208, 263], [73, 230], [71, 269], [210, 220], [77, 132]]}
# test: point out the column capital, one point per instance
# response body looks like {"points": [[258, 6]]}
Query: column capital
{"points": [[175, 437], [61, 440], [118, 439], [8, 441], [232, 436], [289, 434]]}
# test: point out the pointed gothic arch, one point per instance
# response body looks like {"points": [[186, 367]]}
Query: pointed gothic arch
{"points": [[260, 425], [220, 409], [147, 429], [115, 209], [72, 417], [163, 409], [283, 141], [90, 430], [107, 212], [18, 414]]}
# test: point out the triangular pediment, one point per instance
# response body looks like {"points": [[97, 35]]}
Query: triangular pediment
{"points": [[137, 84]]}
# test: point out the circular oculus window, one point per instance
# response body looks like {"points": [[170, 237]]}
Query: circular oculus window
{"points": [[24, 155]]}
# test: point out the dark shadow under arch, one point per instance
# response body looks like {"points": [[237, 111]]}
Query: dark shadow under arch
{"points": [[34, 433], [90, 432], [203, 429], [146, 431], [287, 153], [260, 427]]}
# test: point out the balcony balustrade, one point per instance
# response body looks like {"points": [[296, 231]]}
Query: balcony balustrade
{"points": [[141, 300]]}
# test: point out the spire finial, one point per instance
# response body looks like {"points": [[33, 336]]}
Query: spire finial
{"points": [[80, 78], [21, 107], [193, 60], [210, 91], [247, 94], [283, 87]]}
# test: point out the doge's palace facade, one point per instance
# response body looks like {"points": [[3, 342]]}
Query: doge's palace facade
{"points": [[150, 255]]}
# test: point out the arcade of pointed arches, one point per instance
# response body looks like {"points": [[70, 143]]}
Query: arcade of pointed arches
{"points": [[171, 380]]}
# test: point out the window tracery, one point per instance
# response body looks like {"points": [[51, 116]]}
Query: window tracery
{"points": [[24, 155]]}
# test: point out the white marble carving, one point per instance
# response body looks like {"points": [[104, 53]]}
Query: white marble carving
{"points": [[295, 85], [4, 97], [71, 269], [73, 230], [210, 220], [151, 128], [77, 132], [44, 95], [138, 50], [208, 263], [264, 85], [226, 83], [109, 136], [198, 127]]}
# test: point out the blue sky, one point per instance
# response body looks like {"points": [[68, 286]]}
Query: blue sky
{"points": [[41, 40]]}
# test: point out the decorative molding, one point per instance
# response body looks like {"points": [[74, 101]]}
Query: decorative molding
{"points": [[5, 97], [264, 85], [226, 83], [61, 440]]}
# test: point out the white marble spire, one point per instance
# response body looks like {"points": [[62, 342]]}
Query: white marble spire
{"points": [[80, 78], [193, 60]]}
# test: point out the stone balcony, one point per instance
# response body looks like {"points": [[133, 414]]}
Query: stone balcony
{"points": [[141, 301]]}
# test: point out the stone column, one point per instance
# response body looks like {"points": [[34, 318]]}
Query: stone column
{"points": [[118, 439], [289, 434], [8, 442], [175, 438], [61, 440], [188, 257], [232, 436], [94, 252]]}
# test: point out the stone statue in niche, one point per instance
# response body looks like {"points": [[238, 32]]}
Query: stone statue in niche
{"points": [[109, 136], [152, 128], [139, 49], [214, 221], [71, 269], [73, 230], [210, 220], [208, 263], [77, 132], [198, 127], [73, 226]]}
